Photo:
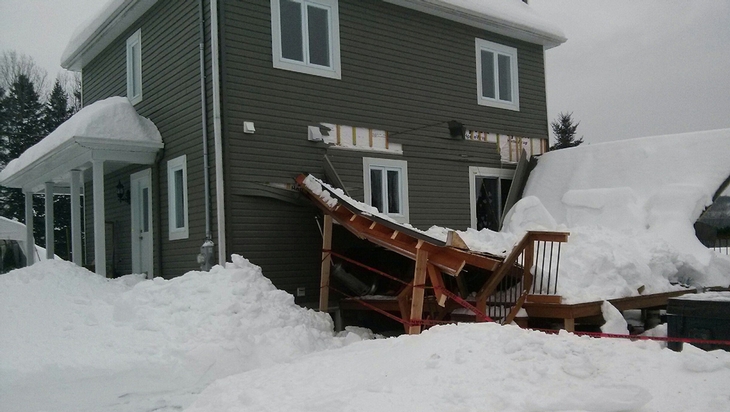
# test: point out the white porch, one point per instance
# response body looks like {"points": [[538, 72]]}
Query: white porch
{"points": [[98, 140]]}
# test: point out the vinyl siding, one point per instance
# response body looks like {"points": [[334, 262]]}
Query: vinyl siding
{"points": [[401, 69], [171, 99]]}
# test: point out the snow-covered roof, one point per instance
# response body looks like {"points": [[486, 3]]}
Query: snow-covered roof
{"points": [[511, 18], [94, 35], [110, 125], [11, 230]]}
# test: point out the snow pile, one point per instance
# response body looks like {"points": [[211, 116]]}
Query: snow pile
{"points": [[62, 322], [111, 118], [708, 296], [630, 207], [475, 367]]}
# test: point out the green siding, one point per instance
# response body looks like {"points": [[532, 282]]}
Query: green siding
{"points": [[171, 90], [401, 69]]}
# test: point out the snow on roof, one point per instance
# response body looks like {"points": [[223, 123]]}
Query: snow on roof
{"points": [[11, 230], [512, 18], [113, 118], [91, 37], [508, 17], [630, 206]]}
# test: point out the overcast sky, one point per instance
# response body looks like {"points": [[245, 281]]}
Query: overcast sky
{"points": [[630, 68]]}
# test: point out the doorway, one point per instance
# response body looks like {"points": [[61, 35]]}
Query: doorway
{"points": [[141, 211], [488, 190]]}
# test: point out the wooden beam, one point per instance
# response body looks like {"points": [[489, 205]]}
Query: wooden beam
{"points": [[324, 282], [454, 240], [404, 303], [438, 284], [419, 281]]}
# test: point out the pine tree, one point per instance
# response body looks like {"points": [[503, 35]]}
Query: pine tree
{"points": [[3, 139], [564, 131], [20, 129], [55, 112]]}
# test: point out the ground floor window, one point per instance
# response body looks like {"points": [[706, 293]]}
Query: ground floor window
{"points": [[177, 186], [488, 190], [385, 184]]}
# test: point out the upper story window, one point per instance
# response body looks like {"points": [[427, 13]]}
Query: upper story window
{"points": [[497, 82], [134, 67], [306, 36], [386, 186], [177, 197]]}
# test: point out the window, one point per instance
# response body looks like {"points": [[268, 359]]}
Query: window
{"points": [[177, 196], [488, 190], [386, 186], [497, 83], [134, 67], [306, 36]]}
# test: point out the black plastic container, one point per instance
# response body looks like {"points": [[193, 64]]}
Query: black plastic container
{"points": [[698, 319]]}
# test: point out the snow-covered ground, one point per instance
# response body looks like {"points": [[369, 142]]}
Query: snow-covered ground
{"points": [[229, 341]]}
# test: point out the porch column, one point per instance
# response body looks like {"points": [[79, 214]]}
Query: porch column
{"points": [[50, 241], [99, 218], [29, 240], [76, 217]]}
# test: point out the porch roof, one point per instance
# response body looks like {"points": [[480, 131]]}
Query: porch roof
{"points": [[109, 130]]}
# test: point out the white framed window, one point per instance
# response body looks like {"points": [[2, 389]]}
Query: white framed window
{"points": [[134, 67], [497, 80], [488, 190], [306, 36], [385, 184], [177, 197]]}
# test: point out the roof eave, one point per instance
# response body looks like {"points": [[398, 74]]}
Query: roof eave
{"points": [[112, 27], [485, 22]]}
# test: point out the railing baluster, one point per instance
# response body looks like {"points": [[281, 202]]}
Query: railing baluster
{"points": [[557, 269]]}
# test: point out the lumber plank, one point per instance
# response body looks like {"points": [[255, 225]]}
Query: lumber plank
{"points": [[324, 282], [419, 280]]}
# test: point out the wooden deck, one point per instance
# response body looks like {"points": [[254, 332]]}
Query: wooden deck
{"points": [[537, 306]]}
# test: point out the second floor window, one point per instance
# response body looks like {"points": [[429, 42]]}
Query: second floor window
{"points": [[497, 82], [306, 36], [134, 67], [385, 184]]}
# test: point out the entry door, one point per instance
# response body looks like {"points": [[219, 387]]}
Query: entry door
{"points": [[488, 192], [141, 204]]}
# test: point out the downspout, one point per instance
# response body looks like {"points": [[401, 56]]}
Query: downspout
{"points": [[217, 138], [205, 259]]}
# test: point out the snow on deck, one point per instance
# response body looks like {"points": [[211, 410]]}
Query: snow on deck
{"points": [[112, 118], [630, 206]]}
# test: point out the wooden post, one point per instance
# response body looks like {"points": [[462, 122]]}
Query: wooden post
{"points": [[527, 263], [438, 284], [324, 283], [419, 282]]}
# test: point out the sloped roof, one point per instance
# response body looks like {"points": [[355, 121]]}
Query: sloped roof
{"points": [[109, 129], [511, 18]]}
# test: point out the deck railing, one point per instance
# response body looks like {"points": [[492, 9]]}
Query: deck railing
{"points": [[533, 267], [721, 246]]}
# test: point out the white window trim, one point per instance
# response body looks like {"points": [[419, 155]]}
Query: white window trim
{"points": [[475, 171], [136, 71], [178, 163], [280, 62], [369, 162], [504, 50]]}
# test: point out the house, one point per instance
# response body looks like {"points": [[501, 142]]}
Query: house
{"points": [[420, 108]]}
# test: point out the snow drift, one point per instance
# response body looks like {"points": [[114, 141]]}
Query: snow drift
{"points": [[630, 206], [59, 321]]}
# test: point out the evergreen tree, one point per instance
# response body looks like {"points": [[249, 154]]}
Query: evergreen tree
{"points": [[564, 131], [3, 139], [55, 112], [20, 129]]}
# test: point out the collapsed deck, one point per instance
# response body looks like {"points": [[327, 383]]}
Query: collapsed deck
{"points": [[437, 292]]}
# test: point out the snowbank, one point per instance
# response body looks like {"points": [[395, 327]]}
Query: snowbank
{"points": [[630, 206], [60, 321], [477, 367], [111, 118]]}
